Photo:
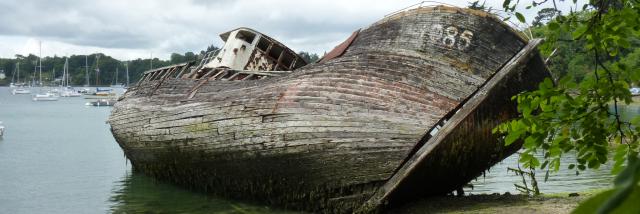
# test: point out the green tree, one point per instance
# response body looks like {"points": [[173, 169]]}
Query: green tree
{"points": [[476, 5], [309, 57], [582, 115], [544, 15]]}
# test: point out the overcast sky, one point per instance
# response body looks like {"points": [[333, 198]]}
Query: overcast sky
{"points": [[135, 29]]}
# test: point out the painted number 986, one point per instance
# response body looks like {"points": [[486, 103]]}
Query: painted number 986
{"points": [[451, 37]]}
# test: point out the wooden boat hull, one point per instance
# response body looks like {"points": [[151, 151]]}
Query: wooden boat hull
{"points": [[328, 136]]}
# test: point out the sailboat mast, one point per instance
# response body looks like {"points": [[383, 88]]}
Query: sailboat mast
{"points": [[116, 75], [65, 74], [18, 69], [33, 75], [127, 71], [97, 70], [40, 62], [86, 69]]}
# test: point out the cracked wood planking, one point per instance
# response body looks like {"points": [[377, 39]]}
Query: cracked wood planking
{"points": [[326, 136]]}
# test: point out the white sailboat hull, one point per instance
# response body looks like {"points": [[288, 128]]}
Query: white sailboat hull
{"points": [[20, 91], [45, 97]]}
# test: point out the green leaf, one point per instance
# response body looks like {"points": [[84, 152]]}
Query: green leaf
{"points": [[530, 142], [579, 31], [512, 137], [628, 205], [623, 43], [520, 17], [553, 26], [581, 167], [506, 3]]}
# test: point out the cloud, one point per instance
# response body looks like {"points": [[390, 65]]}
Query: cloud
{"points": [[134, 29]]}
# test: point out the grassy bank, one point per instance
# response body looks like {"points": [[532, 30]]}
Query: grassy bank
{"points": [[506, 203]]}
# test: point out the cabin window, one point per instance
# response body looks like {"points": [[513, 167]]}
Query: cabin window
{"points": [[275, 52], [287, 59], [263, 44], [246, 36]]}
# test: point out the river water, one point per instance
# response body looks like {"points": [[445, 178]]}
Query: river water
{"points": [[60, 157]]}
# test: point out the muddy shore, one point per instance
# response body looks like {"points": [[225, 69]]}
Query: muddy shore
{"points": [[495, 203]]}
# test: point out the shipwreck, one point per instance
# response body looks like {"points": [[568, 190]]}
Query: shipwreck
{"points": [[401, 109]]}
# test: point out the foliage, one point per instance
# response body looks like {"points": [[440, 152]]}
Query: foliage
{"points": [[52, 68], [107, 65], [309, 57], [623, 198], [524, 188], [580, 113], [476, 5], [545, 15]]}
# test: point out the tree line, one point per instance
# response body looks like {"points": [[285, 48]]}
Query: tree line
{"points": [[101, 69]]}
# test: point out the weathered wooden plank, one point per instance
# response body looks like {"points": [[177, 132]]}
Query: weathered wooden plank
{"points": [[452, 125]]}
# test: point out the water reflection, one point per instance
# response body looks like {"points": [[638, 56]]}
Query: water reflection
{"points": [[498, 180], [137, 193]]}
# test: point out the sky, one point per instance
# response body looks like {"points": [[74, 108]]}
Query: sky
{"points": [[129, 30]]}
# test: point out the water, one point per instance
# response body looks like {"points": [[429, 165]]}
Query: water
{"points": [[500, 180], [60, 157]]}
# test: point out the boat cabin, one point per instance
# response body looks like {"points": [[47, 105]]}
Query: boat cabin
{"points": [[247, 49], [246, 55]]}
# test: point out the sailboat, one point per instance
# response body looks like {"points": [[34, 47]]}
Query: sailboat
{"points": [[47, 96], [67, 90], [116, 84], [127, 72], [20, 90], [1, 129], [86, 89], [18, 87], [13, 80]]}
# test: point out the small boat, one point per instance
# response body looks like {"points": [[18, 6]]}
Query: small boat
{"points": [[20, 91], [67, 90], [84, 91], [104, 92], [635, 91], [70, 93], [102, 102], [1, 129], [49, 96]]}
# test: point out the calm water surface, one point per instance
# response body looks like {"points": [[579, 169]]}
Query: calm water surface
{"points": [[499, 180], [60, 157]]}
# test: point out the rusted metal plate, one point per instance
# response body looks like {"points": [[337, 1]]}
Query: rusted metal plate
{"points": [[341, 48]]}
